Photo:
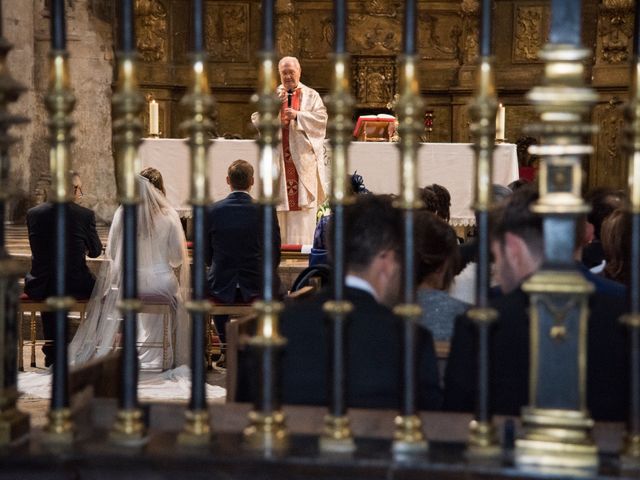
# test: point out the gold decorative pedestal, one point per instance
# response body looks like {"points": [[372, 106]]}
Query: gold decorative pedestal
{"points": [[60, 430], [408, 438], [266, 433], [559, 439], [196, 430], [336, 436], [129, 429]]}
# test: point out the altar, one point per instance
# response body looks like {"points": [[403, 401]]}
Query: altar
{"points": [[448, 164]]}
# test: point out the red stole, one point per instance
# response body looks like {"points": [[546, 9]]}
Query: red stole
{"points": [[290, 172]]}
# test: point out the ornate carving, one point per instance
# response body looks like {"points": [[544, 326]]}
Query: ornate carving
{"points": [[530, 33], [615, 31], [381, 8], [469, 11], [316, 37], [375, 35], [375, 80], [439, 36], [227, 32], [607, 169], [151, 30], [286, 39]]}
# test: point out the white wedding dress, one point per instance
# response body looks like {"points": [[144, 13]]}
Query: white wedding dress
{"points": [[161, 253]]}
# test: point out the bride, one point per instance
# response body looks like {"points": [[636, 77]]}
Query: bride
{"points": [[161, 253]]}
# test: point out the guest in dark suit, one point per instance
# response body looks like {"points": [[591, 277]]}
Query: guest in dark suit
{"points": [[373, 233], [82, 239], [517, 246], [234, 243]]}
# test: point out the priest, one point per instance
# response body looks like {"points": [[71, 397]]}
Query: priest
{"points": [[303, 118]]}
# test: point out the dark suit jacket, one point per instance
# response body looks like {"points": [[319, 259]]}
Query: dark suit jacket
{"points": [[234, 248], [607, 357], [374, 372], [82, 239]]}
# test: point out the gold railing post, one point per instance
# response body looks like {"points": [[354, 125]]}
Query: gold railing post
{"points": [[127, 103], [337, 435], [199, 102], [14, 424], [267, 430], [60, 102], [408, 436], [483, 440], [557, 425], [631, 449]]}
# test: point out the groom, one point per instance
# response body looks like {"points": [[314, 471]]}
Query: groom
{"points": [[234, 243]]}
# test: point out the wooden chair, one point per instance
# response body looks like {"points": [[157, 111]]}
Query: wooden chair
{"points": [[214, 347], [32, 309], [156, 305], [239, 330]]}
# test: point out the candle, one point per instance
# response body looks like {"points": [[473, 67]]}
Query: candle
{"points": [[636, 31], [198, 36], [126, 26], [565, 22], [340, 21], [153, 118], [267, 25], [485, 29], [58, 34], [410, 27], [500, 122]]}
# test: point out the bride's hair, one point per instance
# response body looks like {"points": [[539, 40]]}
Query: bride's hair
{"points": [[155, 177]]}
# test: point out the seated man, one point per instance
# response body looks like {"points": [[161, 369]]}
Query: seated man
{"points": [[82, 238], [373, 239], [233, 239], [517, 246]]}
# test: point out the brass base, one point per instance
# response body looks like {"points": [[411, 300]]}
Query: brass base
{"points": [[59, 430], [196, 430], [556, 439], [129, 429], [266, 432], [630, 455], [336, 436], [14, 426], [408, 437], [483, 440]]}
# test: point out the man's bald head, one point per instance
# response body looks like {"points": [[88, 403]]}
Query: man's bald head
{"points": [[289, 68]]}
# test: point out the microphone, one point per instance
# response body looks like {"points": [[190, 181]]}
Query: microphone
{"points": [[289, 97]]}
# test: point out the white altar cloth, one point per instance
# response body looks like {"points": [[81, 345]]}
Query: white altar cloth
{"points": [[448, 164]]}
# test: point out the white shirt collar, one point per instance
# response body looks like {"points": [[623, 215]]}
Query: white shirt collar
{"points": [[361, 284], [241, 191]]}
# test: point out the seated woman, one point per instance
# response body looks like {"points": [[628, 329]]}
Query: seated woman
{"points": [[161, 251], [615, 236], [436, 260]]}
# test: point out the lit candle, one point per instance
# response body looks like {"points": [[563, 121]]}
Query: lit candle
{"points": [[500, 122], [485, 29], [153, 118], [267, 25], [198, 36], [340, 22], [565, 22], [127, 33], [410, 27], [58, 34]]}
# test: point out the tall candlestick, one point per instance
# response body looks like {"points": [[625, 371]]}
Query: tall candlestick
{"points": [[485, 28], [410, 27], [267, 25], [198, 35], [340, 25], [636, 32], [127, 32], [58, 33], [500, 122], [565, 21], [154, 128]]}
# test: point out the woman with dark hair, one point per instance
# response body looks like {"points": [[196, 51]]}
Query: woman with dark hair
{"points": [[615, 235], [436, 262]]}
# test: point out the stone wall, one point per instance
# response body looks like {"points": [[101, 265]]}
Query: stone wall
{"points": [[90, 46]]}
